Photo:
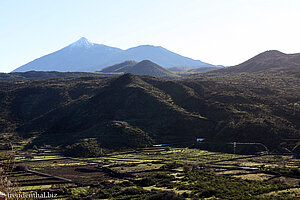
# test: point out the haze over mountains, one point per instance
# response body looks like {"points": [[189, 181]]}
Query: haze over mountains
{"points": [[145, 67], [267, 62], [85, 56], [198, 70]]}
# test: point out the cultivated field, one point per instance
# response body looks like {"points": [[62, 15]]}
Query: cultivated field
{"points": [[148, 172]]}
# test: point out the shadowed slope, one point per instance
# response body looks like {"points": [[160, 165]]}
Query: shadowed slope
{"points": [[129, 99], [245, 108]]}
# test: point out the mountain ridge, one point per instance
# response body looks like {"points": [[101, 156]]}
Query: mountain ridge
{"points": [[145, 67], [271, 61], [86, 56], [248, 108]]}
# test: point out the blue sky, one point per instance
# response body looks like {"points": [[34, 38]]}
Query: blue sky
{"points": [[223, 32]]}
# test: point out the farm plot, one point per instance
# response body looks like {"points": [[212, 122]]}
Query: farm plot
{"points": [[135, 174]]}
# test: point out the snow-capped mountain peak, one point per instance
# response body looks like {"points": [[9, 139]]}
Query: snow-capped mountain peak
{"points": [[84, 55], [82, 42]]}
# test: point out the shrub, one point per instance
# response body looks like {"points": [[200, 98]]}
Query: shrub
{"points": [[120, 134], [131, 191], [5, 146], [165, 183], [168, 195], [84, 148], [207, 193], [145, 182], [173, 165], [126, 183], [28, 155], [296, 151], [21, 168], [165, 176]]}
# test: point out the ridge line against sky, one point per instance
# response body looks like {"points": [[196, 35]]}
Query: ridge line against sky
{"points": [[213, 31]]}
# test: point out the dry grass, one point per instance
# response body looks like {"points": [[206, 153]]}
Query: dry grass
{"points": [[255, 177]]}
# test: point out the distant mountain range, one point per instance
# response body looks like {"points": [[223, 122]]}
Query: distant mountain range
{"points": [[267, 62], [119, 66], [145, 67], [84, 56], [195, 70]]}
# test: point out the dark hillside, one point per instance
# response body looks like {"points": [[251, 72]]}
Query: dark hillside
{"points": [[40, 75], [243, 108], [127, 98]]}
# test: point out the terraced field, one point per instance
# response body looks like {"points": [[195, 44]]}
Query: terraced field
{"points": [[138, 174]]}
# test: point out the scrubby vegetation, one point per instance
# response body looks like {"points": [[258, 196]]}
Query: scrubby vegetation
{"points": [[84, 148], [296, 150], [155, 173], [92, 137], [242, 108], [207, 184], [121, 134]]}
